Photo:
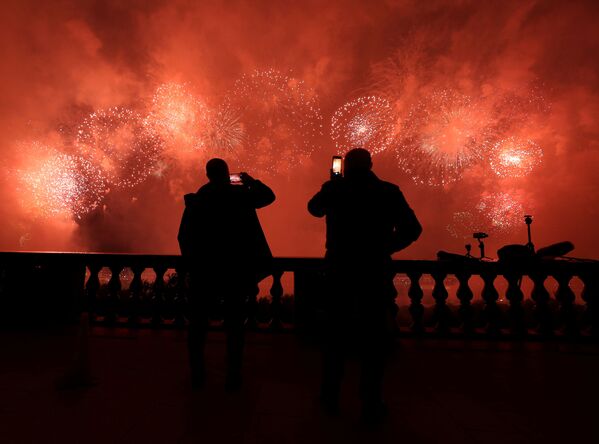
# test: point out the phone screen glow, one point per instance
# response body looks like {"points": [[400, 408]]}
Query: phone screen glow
{"points": [[336, 165]]}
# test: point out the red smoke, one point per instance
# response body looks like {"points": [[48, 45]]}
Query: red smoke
{"points": [[532, 65]]}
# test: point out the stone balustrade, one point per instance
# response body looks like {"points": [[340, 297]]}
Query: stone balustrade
{"points": [[137, 290]]}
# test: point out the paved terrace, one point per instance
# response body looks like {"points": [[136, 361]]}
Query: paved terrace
{"points": [[449, 391]]}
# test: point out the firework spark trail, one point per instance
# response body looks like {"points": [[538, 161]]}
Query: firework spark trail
{"points": [[280, 117], [179, 117], [55, 184], [504, 211], [498, 214], [118, 140], [513, 157], [515, 110], [367, 122], [225, 131], [442, 136], [464, 223]]}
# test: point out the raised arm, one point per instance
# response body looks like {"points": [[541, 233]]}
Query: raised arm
{"points": [[406, 226], [260, 194], [319, 204]]}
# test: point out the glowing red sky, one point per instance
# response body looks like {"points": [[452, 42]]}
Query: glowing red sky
{"points": [[62, 60]]}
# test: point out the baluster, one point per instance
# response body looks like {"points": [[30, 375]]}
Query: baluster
{"points": [[179, 301], [565, 296], [590, 295], [169, 296], [158, 297], [415, 294], [515, 296], [114, 288], [465, 297], [490, 296], [91, 291], [541, 297], [394, 327], [276, 292], [441, 312], [135, 296]]}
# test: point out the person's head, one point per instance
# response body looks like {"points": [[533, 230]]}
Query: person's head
{"points": [[217, 171], [357, 162]]}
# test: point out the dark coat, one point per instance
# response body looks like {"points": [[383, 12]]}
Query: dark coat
{"points": [[220, 232], [367, 219]]}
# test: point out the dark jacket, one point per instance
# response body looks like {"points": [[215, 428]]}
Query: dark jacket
{"points": [[367, 218], [220, 230]]}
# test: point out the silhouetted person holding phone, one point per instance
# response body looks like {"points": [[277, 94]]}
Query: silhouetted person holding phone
{"points": [[227, 254], [367, 220]]}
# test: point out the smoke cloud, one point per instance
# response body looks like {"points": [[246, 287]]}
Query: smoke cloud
{"points": [[528, 69]]}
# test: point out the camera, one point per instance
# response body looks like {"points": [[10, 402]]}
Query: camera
{"points": [[336, 167], [480, 235], [236, 179]]}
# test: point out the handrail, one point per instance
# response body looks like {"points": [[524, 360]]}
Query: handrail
{"points": [[110, 303]]}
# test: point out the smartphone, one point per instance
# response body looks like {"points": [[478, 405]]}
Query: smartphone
{"points": [[235, 179], [336, 166]]}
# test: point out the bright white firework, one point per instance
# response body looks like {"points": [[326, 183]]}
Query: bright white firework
{"points": [[513, 157], [117, 140], [55, 184], [225, 132], [366, 122], [179, 117], [280, 119], [442, 136]]}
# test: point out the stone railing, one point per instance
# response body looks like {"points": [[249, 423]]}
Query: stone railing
{"points": [[138, 290]]}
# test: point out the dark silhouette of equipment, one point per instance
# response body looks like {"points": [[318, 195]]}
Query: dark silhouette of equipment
{"points": [[468, 258], [454, 257], [514, 253], [555, 250], [528, 221], [524, 253], [479, 236]]}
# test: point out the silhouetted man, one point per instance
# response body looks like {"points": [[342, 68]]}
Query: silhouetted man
{"points": [[367, 220], [227, 255]]}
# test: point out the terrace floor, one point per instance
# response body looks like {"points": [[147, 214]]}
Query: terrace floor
{"points": [[449, 391]]}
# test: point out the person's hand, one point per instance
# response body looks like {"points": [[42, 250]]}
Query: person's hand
{"points": [[333, 176], [331, 185], [246, 178]]}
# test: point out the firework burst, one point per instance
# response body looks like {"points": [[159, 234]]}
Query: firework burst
{"points": [[179, 117], [513, 157], [496, 213], [55, 184], [464, 223], [366, 122], [225, 132], [504, 211], [517, 109], [118, 140], [279, 116], [443, 135]]}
